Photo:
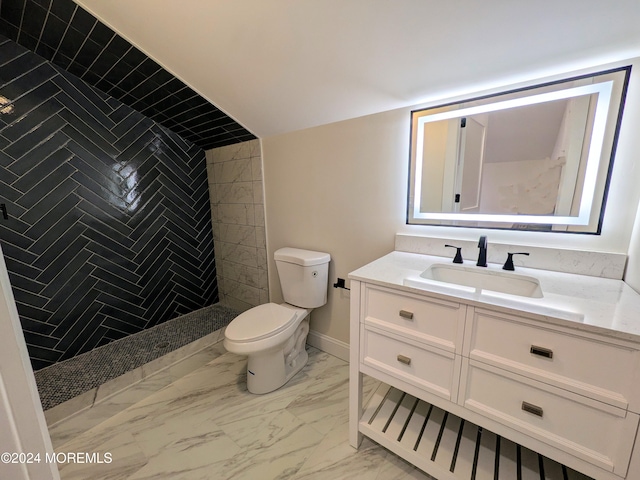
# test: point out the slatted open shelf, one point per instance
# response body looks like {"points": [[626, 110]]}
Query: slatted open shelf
{"points": [[450, 447]]}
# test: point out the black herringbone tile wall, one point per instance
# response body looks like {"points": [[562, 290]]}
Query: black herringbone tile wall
{"points": [[109, 227], [62, 32]]}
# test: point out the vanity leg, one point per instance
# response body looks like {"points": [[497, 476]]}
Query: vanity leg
{"points": [[355, 377], [355, 409]]}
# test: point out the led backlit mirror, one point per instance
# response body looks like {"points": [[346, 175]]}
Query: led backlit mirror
{"points": [[538, 158]]}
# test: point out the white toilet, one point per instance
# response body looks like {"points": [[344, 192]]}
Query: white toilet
{"points": [[274, 336]]}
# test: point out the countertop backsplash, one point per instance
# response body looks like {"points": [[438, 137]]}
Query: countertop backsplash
{"points": [[596, 264]]}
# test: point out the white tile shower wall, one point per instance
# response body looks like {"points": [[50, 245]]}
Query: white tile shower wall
{"points": [[595, 264], [237, 213]]}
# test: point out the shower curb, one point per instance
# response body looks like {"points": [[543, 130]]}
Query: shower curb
{"points": [[101, 393]]}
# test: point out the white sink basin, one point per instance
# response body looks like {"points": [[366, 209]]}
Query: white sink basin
{"points": [[481, 278]]}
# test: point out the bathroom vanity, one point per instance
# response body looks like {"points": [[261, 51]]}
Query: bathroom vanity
{"points": [[480, 382]]}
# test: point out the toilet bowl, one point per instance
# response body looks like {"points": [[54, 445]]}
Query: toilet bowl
{"points": [[273, 336]]}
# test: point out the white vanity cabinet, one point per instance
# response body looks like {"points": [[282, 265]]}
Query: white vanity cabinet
{"points": [[474, 387]]}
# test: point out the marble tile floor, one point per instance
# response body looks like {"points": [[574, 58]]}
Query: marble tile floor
{"points": [[125, 392], [205, 425]]}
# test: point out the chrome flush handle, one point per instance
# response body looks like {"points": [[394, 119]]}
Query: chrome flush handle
{"points": [[533, 409], [541, 351], [405, 360], [406, 314]]}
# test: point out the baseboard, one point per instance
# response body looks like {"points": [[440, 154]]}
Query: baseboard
{"points": [[328, 344]]}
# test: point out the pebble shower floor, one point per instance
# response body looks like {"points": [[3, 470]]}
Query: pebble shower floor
{"points": [[65, 380]]}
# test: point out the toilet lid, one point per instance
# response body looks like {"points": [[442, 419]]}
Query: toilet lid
{"points": [[259, 322]]}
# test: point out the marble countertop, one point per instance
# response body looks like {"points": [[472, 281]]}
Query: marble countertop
{"points": [[593, 304]]}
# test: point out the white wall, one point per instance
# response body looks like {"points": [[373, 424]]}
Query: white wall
{"points": [[632, 276], [339, 188], [630, 145], [342, 187]]}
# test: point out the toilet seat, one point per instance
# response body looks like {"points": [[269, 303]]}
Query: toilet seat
{"points": [[260, 322]]}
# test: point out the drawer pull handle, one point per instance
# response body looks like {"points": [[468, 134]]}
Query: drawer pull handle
{"points": [[406, 314], [403, 359], [541, 351], [534, 409]]}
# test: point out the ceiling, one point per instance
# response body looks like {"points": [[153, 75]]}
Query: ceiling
{"points": [[74, 40], [282, 65]]}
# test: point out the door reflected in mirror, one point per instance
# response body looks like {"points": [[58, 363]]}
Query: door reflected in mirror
{"points": [[537, 159]]}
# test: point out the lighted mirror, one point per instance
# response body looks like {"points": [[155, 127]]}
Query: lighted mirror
{"points": [[538, 158]]}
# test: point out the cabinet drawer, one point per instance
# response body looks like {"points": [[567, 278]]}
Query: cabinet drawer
{"points": [[430, 369], [578, 363], [434, 322], [593, 431]]}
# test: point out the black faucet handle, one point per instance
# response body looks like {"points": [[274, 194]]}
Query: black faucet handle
{"points": [[508, 265], [458, 257]]}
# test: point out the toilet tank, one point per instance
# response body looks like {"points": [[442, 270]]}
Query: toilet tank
{"points": [[304, 276]]}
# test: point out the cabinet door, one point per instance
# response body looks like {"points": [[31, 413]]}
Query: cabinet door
{"points": [[592, 431], [566, 358], [434, 322], [430, 369]]}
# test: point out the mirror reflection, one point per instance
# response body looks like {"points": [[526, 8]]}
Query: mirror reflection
{"points": [[537, 158]]}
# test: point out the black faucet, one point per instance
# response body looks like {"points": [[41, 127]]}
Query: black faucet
{"points": [[482, 255]]}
